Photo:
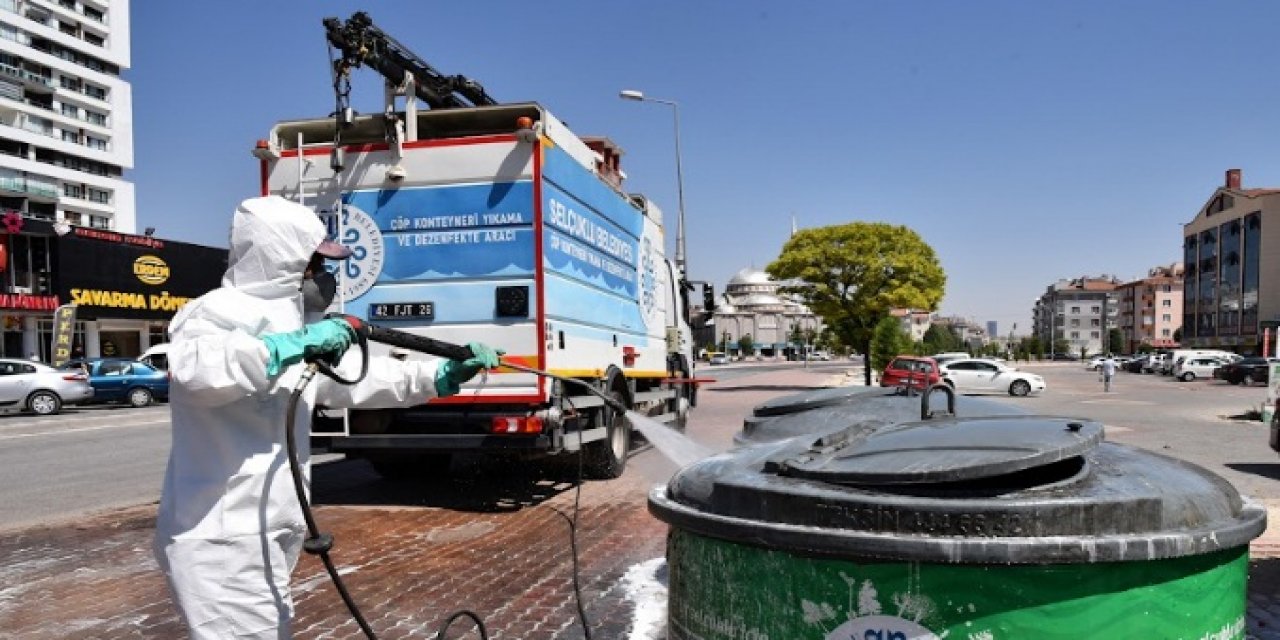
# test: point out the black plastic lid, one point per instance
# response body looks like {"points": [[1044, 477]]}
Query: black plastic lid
{"points": [[945, 451]]}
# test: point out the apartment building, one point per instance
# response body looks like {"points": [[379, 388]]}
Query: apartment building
{"points": [[66, 114], [1151, 308], [1077, 314], [1232, 255]]}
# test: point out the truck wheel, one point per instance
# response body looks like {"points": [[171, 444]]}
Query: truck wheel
{"points": [[606, 459], [410, 467]]}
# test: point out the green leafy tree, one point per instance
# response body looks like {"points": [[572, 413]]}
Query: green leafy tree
{"points": [[940, 339], [1061, 345], [853, 275], [1115, 341], [888, 340], [746, 345]]}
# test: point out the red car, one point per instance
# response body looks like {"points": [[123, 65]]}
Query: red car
{"points": [[918, 371]]}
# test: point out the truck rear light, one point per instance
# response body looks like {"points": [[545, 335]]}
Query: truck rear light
{"points": [[516, 424]]}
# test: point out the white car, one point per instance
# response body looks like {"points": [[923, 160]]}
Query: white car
{"points": [[39, 388], [1193, 367], [977, 375]]}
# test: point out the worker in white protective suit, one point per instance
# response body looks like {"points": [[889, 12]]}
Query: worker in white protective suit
{"points": [[229, 528]]}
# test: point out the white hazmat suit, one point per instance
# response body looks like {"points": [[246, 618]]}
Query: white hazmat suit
{"points": [[229, 528]]}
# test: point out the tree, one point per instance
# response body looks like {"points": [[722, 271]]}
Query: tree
{"points": [[940, 339], [853, 275], [1177, 335], [888, 340], [746, 345], [1115, 341]]}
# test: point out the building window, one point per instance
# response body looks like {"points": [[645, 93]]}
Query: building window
{"points": [[70, 110], [93, 117], [1250, 274], [1075, 309], [1075, 335], [1093, 334], [69, 29], [71, 217], [73, 190], [1165, 333], [1075, 322], [1166, 303], [1094, 309], [99, 222], [95, 91], [70, 136], [95, 143], [1166, 318], [100, 196], [94, 39], [1095, 322]]}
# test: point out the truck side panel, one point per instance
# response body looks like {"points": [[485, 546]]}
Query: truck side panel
{"points": [[601, 255]]}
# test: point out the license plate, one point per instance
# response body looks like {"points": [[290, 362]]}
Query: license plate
{"points": [[402, 311]]}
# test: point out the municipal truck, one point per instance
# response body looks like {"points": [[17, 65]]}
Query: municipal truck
{"points": [[472, 220]]}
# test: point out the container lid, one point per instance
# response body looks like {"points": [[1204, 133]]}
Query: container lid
{"points": [[998, 489], [945, 451]]}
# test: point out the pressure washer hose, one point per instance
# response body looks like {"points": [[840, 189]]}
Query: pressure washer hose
{"points": [[318, 543]]}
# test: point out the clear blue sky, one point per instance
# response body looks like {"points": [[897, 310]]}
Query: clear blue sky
{"points": [[1024, 141]]}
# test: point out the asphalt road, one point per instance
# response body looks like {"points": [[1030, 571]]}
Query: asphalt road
{"points": [[82, 460]]}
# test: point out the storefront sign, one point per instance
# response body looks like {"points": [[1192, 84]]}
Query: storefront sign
{"points": [[113, 275], [64, 333], [28, 303]]}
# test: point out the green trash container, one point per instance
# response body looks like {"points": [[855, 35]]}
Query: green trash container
{"points": [[966, 529]]}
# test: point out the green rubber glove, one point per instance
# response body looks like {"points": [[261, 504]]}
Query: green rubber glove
{"points": [[328, 338], [452, 373]]}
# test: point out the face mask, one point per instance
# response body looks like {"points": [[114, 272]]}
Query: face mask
{"points": [[318, 292]]}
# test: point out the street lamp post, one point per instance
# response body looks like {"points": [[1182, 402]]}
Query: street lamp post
{"points": [[631, 94]]}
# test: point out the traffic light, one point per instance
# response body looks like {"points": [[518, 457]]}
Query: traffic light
{"points": [[708, 297]]}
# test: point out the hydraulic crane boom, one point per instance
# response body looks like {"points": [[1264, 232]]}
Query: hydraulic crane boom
{"points": [[362, 43]]}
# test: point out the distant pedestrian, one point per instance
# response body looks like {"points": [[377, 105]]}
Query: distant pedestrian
{"points": [[1108, 370]]}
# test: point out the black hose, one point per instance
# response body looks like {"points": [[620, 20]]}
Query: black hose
{"points": [[316, 543]]}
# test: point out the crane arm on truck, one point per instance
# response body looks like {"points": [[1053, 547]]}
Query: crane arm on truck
{"points": [[361, 43]]}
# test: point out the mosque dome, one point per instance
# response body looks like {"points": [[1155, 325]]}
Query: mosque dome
{"points": [[750, 276]]}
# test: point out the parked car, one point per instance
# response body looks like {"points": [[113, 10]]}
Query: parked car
{"points": [[918, 372], [40, 388], [123, 380], [1063, 357], [719, 358], [1191, 367], [1137, 364], [943, 358], [977, 375], [1246, 371], [156, 357]]}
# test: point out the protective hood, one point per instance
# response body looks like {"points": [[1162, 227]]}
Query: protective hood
{"points": [[272, 240]]}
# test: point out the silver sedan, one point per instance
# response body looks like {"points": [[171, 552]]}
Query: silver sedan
{"points": [[39, 388]]}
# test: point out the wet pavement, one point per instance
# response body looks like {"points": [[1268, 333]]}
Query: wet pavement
{"points": [[495, 540]]}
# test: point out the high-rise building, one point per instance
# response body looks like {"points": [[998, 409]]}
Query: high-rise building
{"points": [[66, 114], [1151, 309], [992, 327]]}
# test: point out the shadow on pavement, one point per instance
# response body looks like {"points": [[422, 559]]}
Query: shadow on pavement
{"points": [[1265, 470], [479, 485]]}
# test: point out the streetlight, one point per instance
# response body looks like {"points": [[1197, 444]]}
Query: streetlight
{"points": [[631, 94]]}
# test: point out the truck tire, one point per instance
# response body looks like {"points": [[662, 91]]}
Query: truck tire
{"points": [[606, 459], [410, 466]]}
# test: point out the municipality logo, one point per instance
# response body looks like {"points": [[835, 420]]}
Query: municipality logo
{"points": [[356, 229]]}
